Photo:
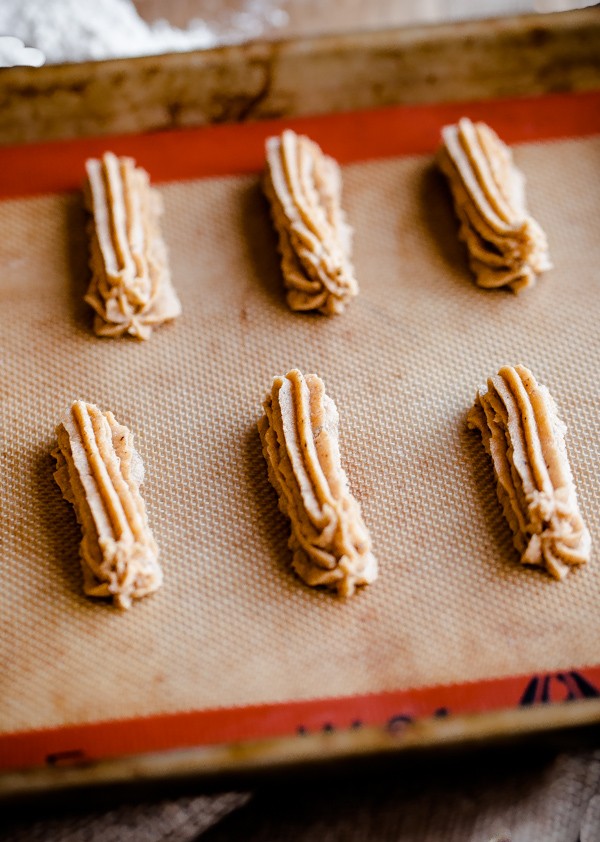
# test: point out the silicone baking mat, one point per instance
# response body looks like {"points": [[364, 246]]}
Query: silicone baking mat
{"points": [[234, 646]]}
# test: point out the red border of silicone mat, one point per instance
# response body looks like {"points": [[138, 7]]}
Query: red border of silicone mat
{"points": [[115, 738], [234, 149], [353, 136]]}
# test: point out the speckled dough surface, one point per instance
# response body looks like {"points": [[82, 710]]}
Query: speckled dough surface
{"points": [[525, 438], [304, 189], [232, 624], [299, 432], [130, 290], [506, 246], [99, 472]]}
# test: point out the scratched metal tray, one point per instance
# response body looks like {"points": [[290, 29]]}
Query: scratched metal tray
{"points": [[236, 664]]}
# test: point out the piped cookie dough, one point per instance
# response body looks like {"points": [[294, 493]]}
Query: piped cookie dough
{"points": [[506, 245], [524, 436], [299, 432], [99, 472], [303, 187], [131, 290]]}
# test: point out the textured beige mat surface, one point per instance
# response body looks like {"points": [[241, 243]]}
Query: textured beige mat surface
{"points": [[232, 625]]}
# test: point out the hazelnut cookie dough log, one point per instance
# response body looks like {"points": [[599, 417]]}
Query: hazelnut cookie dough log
{"points": [[506, 245], [130, 290], [99, 471], [521, 431], [303, 187], [299, 433]]}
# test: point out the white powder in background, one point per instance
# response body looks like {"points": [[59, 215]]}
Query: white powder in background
{"points": [[78, 30], [13, 52]]}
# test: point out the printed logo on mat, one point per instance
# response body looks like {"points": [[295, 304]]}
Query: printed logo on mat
{"points": [[558, 687], [14, 53], [547, 688]]}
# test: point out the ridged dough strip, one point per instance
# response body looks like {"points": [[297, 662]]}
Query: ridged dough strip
{"points": [[299, 432], [99, 471], [525, 438], [131, 290], [304, 190], [506, 245]]}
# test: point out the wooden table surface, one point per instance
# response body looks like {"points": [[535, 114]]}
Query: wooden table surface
{"points": [[317, 17]]}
